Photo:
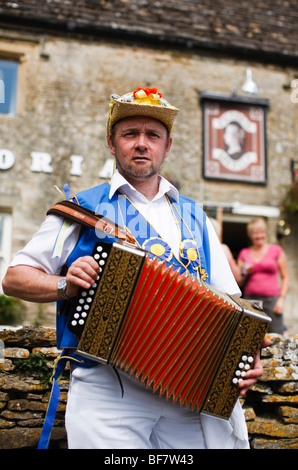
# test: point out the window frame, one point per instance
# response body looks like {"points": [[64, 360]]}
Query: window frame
{"points": [[10, 85]]}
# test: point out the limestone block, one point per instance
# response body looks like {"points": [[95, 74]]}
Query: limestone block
{"points": [[35, 337], [280, 373], [286, 387], [52, 352], [16, 353], [5, 424], [20, 384], [16, 416], [19, 438], [249, 414], [292, 399], [260, 443], [17, 405], [272, 427], [289, 414]]}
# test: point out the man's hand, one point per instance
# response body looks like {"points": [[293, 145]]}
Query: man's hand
{"points": [[82, 273], [253, 374]]}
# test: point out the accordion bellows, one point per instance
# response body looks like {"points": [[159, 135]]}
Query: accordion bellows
{"points": [[183, 339]]}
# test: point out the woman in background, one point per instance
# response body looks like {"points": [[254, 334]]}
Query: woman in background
{"points": [[262, 264]]}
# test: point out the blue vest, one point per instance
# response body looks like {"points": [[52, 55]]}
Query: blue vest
{"points": [[194, 247]]}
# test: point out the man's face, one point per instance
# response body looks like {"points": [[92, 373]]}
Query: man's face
{"points": [[140, 145]]}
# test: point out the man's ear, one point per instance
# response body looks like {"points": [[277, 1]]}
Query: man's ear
{"points": [[168, 148], [111, 145]]}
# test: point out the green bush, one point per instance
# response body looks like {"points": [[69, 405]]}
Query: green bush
{"points": [[35, 364], [11, 310]]}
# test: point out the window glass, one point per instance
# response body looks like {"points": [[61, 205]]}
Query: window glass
{"points": [[8, 86]]}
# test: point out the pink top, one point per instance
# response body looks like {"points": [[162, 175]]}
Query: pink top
{"points": [[264, 277]]}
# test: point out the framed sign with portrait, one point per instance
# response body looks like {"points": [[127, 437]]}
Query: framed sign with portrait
{"points": [[234, 138]]}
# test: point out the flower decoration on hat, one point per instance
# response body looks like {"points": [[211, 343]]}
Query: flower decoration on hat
{"points": [[159, 248], [147, 96], [141, 102]]}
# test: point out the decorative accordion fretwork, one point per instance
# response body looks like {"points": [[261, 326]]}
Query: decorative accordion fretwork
{"points": [[183, 339]]}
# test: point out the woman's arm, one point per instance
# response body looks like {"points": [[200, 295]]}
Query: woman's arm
{"points": [[285, 283]]}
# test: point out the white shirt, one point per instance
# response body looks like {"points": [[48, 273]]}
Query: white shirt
{"points": [[39, 252]]}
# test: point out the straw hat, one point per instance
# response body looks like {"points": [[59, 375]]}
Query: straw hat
{"points": [[141, 102]]}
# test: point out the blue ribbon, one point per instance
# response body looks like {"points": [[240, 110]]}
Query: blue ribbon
{"points": [[45, 436], [44, 439]]}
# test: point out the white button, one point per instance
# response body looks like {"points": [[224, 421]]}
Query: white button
{"points": [[76, 315], [81, 322], [240, 365], [247, 366], [244, 358], [99, 248], [237, 373], [73, 322], [235, 381], [250, 359], [79, 308], [96, 256]]}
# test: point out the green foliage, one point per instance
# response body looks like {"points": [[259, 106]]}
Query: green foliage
{"points": [[11, 310], [36, 365], [290, 200]]}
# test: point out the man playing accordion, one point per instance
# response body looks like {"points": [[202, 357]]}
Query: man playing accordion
{"points": [[168, 226]]}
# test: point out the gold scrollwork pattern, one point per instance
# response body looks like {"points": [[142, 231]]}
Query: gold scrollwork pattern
{"points": [[110, 303], [223, 394]]}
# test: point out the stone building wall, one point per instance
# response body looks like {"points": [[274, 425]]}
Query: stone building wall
{"points": [[64, 112], [65, 84], [271, 406], [25, 391]]}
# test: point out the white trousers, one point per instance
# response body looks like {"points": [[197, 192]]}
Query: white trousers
{"points": [[99, 417]]}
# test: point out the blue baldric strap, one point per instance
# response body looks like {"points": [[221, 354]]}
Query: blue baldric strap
{"points": [[50, 416], [44, 439], [59, 368]]}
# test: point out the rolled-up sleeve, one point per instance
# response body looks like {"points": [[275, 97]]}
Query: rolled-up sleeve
{"points": [[40, 250]]}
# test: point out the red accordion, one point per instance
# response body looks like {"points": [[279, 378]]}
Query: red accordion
{"points": [[182, 338]]}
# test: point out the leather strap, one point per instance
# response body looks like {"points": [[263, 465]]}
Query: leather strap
{"points": [[88, 218]]}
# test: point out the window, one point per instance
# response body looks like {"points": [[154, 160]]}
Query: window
{"points": [[5, 243], [8, 86]]}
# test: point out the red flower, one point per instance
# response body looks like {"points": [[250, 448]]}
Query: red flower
{"points": [[148, 91]]}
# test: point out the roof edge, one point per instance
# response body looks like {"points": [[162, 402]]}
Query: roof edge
{"points": [[105, 32]]}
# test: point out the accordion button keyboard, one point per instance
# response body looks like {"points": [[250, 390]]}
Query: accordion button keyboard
{"points": [[243, 366], [83, 303]]}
